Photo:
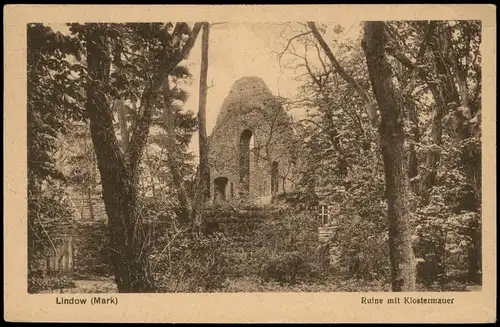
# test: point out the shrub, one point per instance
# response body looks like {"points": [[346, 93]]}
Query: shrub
{"points": [[443, 239], [92, 255], [37, 283], [49, 220], [282, 268], [288, 267], [192, 264], [287, 245], [363, 250]]}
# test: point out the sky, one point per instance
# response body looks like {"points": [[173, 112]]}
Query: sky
{"points": [[245, 49], [238, 50]]}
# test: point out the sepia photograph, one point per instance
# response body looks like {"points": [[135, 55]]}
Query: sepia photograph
{"points": [[217, 156]]}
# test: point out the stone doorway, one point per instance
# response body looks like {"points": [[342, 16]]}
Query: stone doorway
{"points": [[220, 184]]}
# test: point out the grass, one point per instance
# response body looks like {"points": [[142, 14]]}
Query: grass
{"points": [[253, 284]]}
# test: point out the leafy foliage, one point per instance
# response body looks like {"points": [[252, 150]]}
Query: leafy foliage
{"points": [[42, 283], [54, 96], [50, 220], [201, 264]]}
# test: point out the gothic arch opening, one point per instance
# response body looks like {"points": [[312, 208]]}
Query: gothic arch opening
{"points": [[245, 141], [220, 184]]}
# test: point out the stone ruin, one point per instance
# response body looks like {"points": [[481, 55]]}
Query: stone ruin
{"points": [[251, 148]]}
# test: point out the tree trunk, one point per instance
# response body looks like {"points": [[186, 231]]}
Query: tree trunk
{"points": [[470, 156], [202, 120], [412, 112], [119, 105], [82, 207], [184, 201], [89, 204], [444, 93], [413, 159], [474, 254], [392, 140], [150, 170], [122, 120], [119, 179]]}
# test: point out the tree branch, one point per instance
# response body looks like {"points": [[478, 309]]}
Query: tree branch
{"points": [[280, 55], [425, 41], [140, 133], [370, 108], [218, 23], [404, 60]]}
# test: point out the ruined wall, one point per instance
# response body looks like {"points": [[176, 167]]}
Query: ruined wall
{"points": [[251, 109]]}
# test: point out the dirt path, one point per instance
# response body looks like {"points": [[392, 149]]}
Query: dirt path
{"points": [[88, 286]]}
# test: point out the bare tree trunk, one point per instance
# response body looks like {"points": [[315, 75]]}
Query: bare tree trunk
{"points": [[391, 141], [204, 187], [202, 120]]}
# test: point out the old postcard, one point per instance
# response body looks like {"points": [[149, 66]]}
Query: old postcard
{"points": [[321, 163]]}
